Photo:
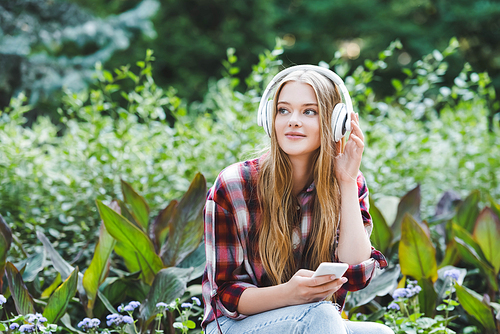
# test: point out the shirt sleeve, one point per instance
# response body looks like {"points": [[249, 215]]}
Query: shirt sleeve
{"points": [[360, 275], [225, 254]]}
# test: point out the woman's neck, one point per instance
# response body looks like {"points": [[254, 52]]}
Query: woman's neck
{"points": [[302, 174]]}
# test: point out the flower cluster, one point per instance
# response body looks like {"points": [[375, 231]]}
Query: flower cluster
{"points": [[130, 307], [407, 292], [34, 324], [3, 300], [118, 320], [88, 324], [195, 300]]}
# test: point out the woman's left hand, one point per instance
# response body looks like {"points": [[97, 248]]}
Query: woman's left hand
{"points": [[347, 163]]}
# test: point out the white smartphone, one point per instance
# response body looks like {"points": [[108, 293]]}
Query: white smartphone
{"points": [[331, 268]]}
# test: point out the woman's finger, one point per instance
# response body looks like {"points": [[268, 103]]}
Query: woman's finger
{"points": [[358, 141], [357, 131]]}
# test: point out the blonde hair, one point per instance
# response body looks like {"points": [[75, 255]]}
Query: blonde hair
{"points": [[278, 205]]}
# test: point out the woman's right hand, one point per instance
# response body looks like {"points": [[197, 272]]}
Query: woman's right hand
{"points": [[303, 288]]}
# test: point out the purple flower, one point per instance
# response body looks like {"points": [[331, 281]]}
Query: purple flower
{"points": [[186, 305], [127, 319], [3, 300], [393, 306], [399, 293], [453, 273], [120, 308], [27, 328], [88, 323], [410, 292], [134, 304], [196, 301], [14, 326]]}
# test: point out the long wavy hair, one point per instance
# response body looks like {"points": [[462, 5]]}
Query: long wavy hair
{"points": [[279, 215]]}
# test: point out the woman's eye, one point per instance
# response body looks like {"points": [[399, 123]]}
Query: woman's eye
{"points": [[310, 112], [282, 111]]}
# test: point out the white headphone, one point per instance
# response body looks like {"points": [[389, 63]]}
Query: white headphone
{"points": [[341, 117]]}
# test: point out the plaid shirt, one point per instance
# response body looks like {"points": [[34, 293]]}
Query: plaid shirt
{"points": [[231, 215]]}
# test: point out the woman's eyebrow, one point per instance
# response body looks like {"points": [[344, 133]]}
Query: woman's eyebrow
{"points": [[305, 104]]}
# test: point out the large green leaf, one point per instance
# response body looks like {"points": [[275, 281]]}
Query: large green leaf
{"points": [[451, 255], [464, 235], [476, 308], [381, 234], [32, 265], [58, 302], [417, 255], [468, 211], [382, 283], [487, 235], [5, 242], [410, 203], [427, 297], [158, 230], [186, 226], [52, 287], [470, 255], [99, 267], [195, 260], [18, 290], [169, 283], [140, 209], [137, 247]]}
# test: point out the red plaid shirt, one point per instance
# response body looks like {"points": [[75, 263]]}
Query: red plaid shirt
{"points": [[231, 215]]}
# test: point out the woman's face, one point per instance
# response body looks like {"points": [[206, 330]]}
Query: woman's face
{"points": [[297, 122]]}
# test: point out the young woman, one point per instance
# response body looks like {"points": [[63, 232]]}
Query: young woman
{"points": [[269, 222]]}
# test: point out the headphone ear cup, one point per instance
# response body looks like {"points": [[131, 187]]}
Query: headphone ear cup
{"points": [[339, 120], [268, 117]]}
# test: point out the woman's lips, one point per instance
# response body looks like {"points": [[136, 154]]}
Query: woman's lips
{"points": [[294, 135]]}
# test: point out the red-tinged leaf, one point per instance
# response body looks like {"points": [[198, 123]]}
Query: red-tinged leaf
{"points": [[487, 235], [186, 226], [468, 211], [470, 255], [98, 269], [476, 308], [140, 209], [381, 234], [410, 203], [495, 207], [158, 230], [58, 302], [417, 255], [5, 242], [125, 212], [137, 247], [20, 294]]}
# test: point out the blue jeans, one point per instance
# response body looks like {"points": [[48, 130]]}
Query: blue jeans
{"points": [[313, 318]]}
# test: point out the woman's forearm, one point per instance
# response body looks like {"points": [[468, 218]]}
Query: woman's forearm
{"points": [[257, 300], [354, 244]]}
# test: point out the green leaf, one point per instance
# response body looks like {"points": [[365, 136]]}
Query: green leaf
{"points": [[158, 230], [2, 327], [383, 282], [5, 242], [417, 255], [476, 308], [98, 269], [381, 234], [410, 203], [470, 255], [137, 248], [140, 209], [427, 297], [487, 235], [451, 255], [20, 294], [468, 211], [186, 226], [58, 302], [169, 283], [195, 260], [32, 265], [462, 234], [57, 281]]}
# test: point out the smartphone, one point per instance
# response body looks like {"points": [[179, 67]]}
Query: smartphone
{"points": [[331, 268]]}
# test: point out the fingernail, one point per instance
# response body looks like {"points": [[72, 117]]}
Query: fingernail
{"points": [[332, 277], [344, 279]]}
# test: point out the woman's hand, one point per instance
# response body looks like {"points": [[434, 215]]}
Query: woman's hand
{"points": [[347, 163], [303, 288]]}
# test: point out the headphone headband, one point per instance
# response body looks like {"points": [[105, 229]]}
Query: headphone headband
{"points": [[321, 70]]}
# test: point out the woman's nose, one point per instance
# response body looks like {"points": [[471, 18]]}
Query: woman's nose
{"points": [[294, 119]]}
